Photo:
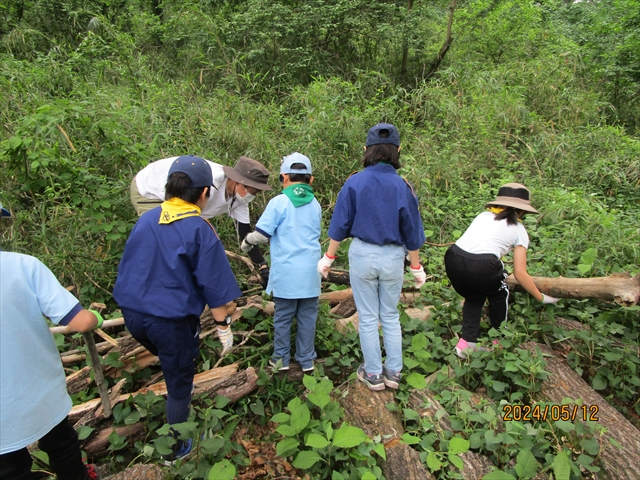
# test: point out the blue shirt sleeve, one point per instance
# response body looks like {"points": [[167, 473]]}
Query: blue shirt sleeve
{"points": [[343, 215], [213, 273], [411, 227], [272, 216]]}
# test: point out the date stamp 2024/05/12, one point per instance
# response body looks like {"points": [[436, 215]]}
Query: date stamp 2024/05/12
{"points": [[553, 412]]}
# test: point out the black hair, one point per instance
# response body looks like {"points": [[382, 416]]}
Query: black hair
{"points": [[382, 152], [510, 213], [179, 185], [299, 177]]}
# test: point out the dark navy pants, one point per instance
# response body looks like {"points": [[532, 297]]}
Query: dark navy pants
{"points": [[478, 277], [174, 341]]}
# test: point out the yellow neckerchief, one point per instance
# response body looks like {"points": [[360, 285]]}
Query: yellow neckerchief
{"points": [[177, 209], [497, 210]]}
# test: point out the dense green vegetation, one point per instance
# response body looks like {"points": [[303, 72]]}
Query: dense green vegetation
{"points": [[546, 93]]}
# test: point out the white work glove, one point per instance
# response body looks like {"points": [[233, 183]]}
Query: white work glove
{"points": [[251, 240], [226, 339], [419, 276], [324, 264], [245, 246], [548, 299]]}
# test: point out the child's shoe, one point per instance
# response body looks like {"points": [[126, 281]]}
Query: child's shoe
{"points": [[274, 365], [181, 449], [371, 380], [463, 347], [391, 379], [308, 369]]}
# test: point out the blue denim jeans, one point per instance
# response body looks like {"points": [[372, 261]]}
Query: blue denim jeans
{"points": [[376, 273], [305, 310]]}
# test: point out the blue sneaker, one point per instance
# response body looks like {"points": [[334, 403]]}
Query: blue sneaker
{"points": [[181, 449]]}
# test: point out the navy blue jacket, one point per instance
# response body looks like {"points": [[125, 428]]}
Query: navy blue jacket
{"points": [[172, 271], [378, 206]]}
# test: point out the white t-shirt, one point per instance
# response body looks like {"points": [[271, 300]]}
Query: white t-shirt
{"points": [[486, 235], [152, 179], [33, 390]]}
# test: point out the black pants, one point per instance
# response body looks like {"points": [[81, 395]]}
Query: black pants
{"points": [[65, 458], [478, 277]]}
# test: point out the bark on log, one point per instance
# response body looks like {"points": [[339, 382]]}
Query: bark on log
{"points": [[620, 288], [205, 382], [367, 409], [345, 308], [98, 444], [339, 277], [618, 463], [475, 465], [140, 472]]}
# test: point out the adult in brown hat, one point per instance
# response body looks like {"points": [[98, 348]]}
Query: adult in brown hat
{"points": [[474, 267], [232, 190]]}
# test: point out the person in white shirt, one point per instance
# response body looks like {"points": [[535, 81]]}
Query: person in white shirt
{"points": [[474, 267], [231, 192]]}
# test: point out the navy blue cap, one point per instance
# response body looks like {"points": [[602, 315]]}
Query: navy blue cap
{"points": [[374, 138], [196, 168], [5, 212]]}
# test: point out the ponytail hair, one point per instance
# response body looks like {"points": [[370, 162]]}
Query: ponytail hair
{"points": [[510, 214]]}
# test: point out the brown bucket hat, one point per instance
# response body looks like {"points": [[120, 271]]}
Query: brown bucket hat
{"points": [[513, 195], [248, 172]]}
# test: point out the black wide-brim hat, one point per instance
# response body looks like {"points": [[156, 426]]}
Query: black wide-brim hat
{"points": [[248, 172], [513, 195]]}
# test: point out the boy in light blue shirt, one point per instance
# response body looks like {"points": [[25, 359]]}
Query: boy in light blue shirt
{"points": [[291, 225]]}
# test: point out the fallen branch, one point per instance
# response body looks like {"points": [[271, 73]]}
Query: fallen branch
{"points": [[619, 288]]}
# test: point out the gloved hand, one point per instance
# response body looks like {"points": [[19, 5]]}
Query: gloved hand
{"points": [[324, 264], [226, 339], [264, 276], [548, 299], [99, 317], [245, 246], [419, 275]]}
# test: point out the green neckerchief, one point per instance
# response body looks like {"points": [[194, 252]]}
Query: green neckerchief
{"points": [[176, 209], [299, 194]]}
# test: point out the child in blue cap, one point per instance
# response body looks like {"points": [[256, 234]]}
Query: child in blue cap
{"points": [[379, 209], [291, 225], [172, 266]]}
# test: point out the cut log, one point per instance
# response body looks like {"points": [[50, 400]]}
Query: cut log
{"points": [[345, 308], [619, 288], [117, 322], [367, 409], [339, 277], [98, 444], [336, 296], [208, 382], [619, 463]]}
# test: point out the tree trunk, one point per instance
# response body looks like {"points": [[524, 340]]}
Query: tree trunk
{"points": [[367, 409], [98, 444], [618, 463], [619, 288], [475, 464], [140, 472], [235, 385]]}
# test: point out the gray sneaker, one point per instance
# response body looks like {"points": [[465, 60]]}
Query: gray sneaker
{"points": [[371, 380], [391, 379]]}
